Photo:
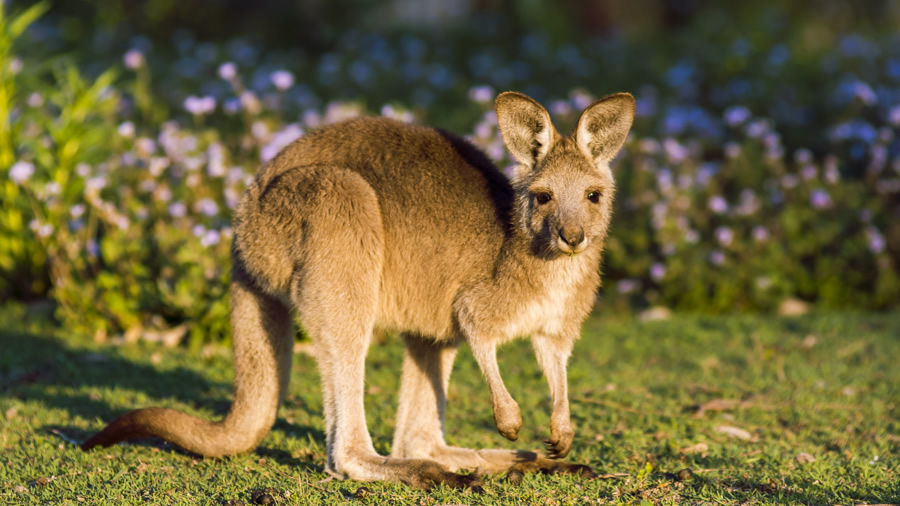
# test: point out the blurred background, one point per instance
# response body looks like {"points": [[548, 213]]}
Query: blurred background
{"points": [[762, 174]]}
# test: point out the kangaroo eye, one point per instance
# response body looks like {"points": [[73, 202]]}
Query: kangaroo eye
{"points": [[543, 197], [594, 196]]}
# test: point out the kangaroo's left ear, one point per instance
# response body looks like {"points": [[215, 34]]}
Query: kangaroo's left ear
{"points": [[525, 126], [604, 125]]}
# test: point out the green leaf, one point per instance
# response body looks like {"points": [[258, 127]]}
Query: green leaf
{"points": [[27, 17]]}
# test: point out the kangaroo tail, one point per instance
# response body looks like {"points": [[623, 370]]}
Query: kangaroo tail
{"points": [[263, 335]]}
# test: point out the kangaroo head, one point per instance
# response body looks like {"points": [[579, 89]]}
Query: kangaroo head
{"points": [[564, 188]]}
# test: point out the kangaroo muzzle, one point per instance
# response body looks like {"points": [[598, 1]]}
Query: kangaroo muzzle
{"points": [[571, 239]]}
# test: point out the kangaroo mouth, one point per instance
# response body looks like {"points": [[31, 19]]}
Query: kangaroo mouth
{"points": [[569, 249]]}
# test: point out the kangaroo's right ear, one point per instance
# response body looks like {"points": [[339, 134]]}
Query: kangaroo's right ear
{"points": [[604, 125], [525, 126]]}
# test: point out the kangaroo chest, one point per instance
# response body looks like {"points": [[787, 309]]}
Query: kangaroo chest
{"points": [[549, 310]]}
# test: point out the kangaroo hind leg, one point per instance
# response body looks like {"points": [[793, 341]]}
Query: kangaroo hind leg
{"points": [[335, 291]]}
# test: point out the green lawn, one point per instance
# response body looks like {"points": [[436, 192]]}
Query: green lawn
{"points": [[761, 409]]}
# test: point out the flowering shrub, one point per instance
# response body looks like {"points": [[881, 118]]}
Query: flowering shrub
{"points": [[117, 192]]}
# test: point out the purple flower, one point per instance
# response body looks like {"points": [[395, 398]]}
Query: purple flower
{"points": [[260, 130], [657, 271], [809, 172], [820, 199], [390, 111], [231, 106], [559, 107], [177, 209], [581, 100], [43, 230], [802, 156], [864, 93], [664, 180], [133, 59], [232, 197], [228, 71], [148, 185], [210, 238], [282, 79], [21, 171], [649, 146], [15, 65], [35, 100], [207, 207], [749, 203], [483, 130], [312, 118], [725, 236], [199, 106], [280, 140], [706, 173], [496, 151], [675, 152], [894, 115], [760, 234], [626, 286], [876, 240], [164, 194], [717, 257], [157, 165], [95, 184], [250, 102], [126, 129], [757, 128], [193, 163], [736, 115], [718, 204], [481, 94], [145, 146], [732, 150]]}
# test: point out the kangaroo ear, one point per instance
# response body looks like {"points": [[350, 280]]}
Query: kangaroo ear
{"points": [[604, 125], [525, 126]]}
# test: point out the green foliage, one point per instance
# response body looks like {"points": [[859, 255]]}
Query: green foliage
{"points": [[736, 191], [20, 257]]}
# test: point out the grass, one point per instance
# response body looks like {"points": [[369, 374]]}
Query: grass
{"points": [[648, 400]]}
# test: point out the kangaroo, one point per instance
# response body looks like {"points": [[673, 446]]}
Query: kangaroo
{"points": [[376, 224]]}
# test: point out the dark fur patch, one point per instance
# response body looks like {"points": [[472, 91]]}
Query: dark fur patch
{"points": [[498, 186]]}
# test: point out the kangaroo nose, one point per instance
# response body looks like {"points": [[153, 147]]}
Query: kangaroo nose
{"points": [[573, 236]]}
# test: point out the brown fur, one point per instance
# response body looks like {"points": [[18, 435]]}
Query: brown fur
{"points": [[375, 224]]}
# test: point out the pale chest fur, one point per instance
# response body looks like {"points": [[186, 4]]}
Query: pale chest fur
{"points": [[554, 309]]}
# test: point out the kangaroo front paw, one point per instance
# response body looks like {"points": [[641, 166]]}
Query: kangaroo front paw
{"points": [[508, 419], [560, 442]]}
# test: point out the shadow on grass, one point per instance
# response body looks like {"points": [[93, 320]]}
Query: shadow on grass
{"points": [[733, 488], [35, 367]]}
